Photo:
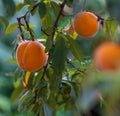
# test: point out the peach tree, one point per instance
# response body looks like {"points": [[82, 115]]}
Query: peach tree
{"points": [[69, 82]]}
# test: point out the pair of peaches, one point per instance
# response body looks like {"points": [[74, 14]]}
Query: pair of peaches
{"points": [[31, 55]]}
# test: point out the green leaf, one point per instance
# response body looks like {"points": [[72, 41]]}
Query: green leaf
{"points": [[50, 73], [110, 28], [47, 20], [38, 76], [16, 94], [43, 91], [11, 28], [48, 44], [75, 48], [51, 101], [42, 9], [69, 2], [12, 60], [32, 25], [48, 31], [55, 7], [20, 6], [72, 91], [30, 80], [25, 101], [59, 55], [3, 19], [29, 2], [32, 8], [9, 7]]}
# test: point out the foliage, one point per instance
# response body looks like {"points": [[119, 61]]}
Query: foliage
{"points": [[68, 84]]}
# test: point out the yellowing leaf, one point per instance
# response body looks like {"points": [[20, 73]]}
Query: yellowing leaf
{"points": [[32, 25], [27, 77], [11, 28], [110, 28], [25, 82]]}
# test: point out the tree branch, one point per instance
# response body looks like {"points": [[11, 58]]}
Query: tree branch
{"points": [[57, 20], [34, 7], [28, 27], [44, 32], [53, 33], [20, 28], [44, 72]]}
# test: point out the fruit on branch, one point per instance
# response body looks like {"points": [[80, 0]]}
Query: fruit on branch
{"points": [[107, 57], [31, 55], [86, 24]]}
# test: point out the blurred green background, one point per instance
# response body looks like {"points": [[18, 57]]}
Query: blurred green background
{"points": [[104, 8]]}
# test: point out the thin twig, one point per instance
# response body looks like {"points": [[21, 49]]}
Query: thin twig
{"points": [[81, 71], [57, 20], [99, 18], [44, 72], [44, 32], [35, 96], [20, 28], [28, 27], [34, 7]]}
